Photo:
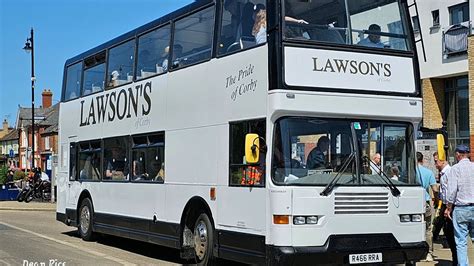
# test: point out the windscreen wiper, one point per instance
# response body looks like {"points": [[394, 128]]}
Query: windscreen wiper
{"points": [[334, 180], [387, 180]]}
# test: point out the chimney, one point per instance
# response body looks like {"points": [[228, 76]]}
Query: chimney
{"points": [[47, 98], [5, 125]]}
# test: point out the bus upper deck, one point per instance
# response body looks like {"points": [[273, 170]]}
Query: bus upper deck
{"points": [[343, 46]]}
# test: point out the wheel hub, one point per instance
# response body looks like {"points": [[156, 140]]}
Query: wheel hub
{"points": [[85, 219], [200, 240]]}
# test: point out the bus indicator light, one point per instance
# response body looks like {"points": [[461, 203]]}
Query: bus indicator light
{"points": [[281, 219], [212, 193]]}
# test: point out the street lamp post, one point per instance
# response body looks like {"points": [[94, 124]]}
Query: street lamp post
{"points": [[29, 46]]}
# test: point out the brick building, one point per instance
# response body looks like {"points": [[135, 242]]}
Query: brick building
{"points": [[46, 133], [447, 82], [8, 142]]}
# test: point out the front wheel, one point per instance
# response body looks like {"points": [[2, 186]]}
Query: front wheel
{"points": [[86, 218], [203, 240]]}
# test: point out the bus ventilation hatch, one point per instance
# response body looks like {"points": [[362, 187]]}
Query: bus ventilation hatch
{"points": [[361, 203]]}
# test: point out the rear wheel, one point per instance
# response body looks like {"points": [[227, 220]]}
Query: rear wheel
{"points": [[86, 218], [21, 195], [29, 196], [203, 240]]}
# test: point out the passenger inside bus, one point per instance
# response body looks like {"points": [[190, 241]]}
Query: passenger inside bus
{"points": [[260, 27], [317, 157], [116, 167], [138, 171], [373, 40], [237, 25], [177, 54], [89, 170], [160, 171]]}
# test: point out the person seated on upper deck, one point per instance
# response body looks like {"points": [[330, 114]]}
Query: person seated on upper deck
{"points": [[373, 40], [317, 157], [177, 53], [260, 27]]}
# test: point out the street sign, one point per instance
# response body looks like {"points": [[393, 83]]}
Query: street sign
{"points": [[12, 153]]}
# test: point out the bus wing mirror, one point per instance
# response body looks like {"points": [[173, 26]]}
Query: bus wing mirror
{"points": [[252, 148], [441, 144]]}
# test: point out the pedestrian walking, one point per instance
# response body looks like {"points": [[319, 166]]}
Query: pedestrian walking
{"points": [[427, 180], [441, 221], [461, 197]]}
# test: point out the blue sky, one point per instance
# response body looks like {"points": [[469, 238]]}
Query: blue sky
{"points": [[62, 29]]}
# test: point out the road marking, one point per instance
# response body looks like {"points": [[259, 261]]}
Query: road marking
{"points": [[95, 253]]}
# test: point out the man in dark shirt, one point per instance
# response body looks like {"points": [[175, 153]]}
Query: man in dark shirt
{"points": [[317, 157]]}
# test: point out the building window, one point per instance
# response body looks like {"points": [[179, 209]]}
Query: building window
{"points": [[24, 141], [416, 24], [459, 13], [241, 173], [435, 16], [116, 162], [457, 112], [46, 143]]}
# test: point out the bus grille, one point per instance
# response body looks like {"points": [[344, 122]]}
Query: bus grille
{"points": [[361, 203]]}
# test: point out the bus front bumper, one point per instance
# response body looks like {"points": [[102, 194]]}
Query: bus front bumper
{"points": [[339, 254]]}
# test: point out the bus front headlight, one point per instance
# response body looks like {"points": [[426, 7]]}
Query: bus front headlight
{"points": [[312, 219], [299, 220], [405, 218], [416, 217]]}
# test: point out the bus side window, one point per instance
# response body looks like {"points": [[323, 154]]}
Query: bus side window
{"points": [[240, 172], [153, 50], [193, 35], [72, 161], [240, 26], [73, 82]]}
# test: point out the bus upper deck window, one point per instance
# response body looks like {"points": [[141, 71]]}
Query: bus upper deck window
{"points": [[73, 82], [379, 24], [243, 26]]}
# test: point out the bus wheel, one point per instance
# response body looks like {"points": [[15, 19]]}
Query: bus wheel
{"points": [[86, 214], [203, 240]]}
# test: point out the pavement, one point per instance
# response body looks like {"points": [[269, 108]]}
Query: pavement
{"points": [[30, 206], [441, 256]]}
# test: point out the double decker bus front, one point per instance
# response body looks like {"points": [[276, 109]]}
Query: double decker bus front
{"points": [[344, 112]]}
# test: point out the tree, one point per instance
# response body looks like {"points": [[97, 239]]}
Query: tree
{"points": [[3, 174]]}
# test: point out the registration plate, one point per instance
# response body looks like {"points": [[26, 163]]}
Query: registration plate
{"points": [[365, 258]]}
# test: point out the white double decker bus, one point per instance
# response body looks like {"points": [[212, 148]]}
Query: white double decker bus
{"points": [[266, 132]]}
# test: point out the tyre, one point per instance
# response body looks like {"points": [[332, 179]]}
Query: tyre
{"points": [[21, 195], [203, 240], [29, 196], [86, 219]]}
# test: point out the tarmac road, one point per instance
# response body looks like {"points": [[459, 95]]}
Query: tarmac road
{"points": [[31, 236]]}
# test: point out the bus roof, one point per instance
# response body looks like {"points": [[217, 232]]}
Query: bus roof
{"points": [[142, 29]]}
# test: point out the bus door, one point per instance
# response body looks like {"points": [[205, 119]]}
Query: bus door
{"points": [[73, 186], [243, 204]]}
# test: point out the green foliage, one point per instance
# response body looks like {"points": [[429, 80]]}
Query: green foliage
{"points": [[3, 174], [19, 175]]}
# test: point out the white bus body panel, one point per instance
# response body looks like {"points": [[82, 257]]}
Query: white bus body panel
{"points": [[348, 70], [307, 201], [193, 106]]}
